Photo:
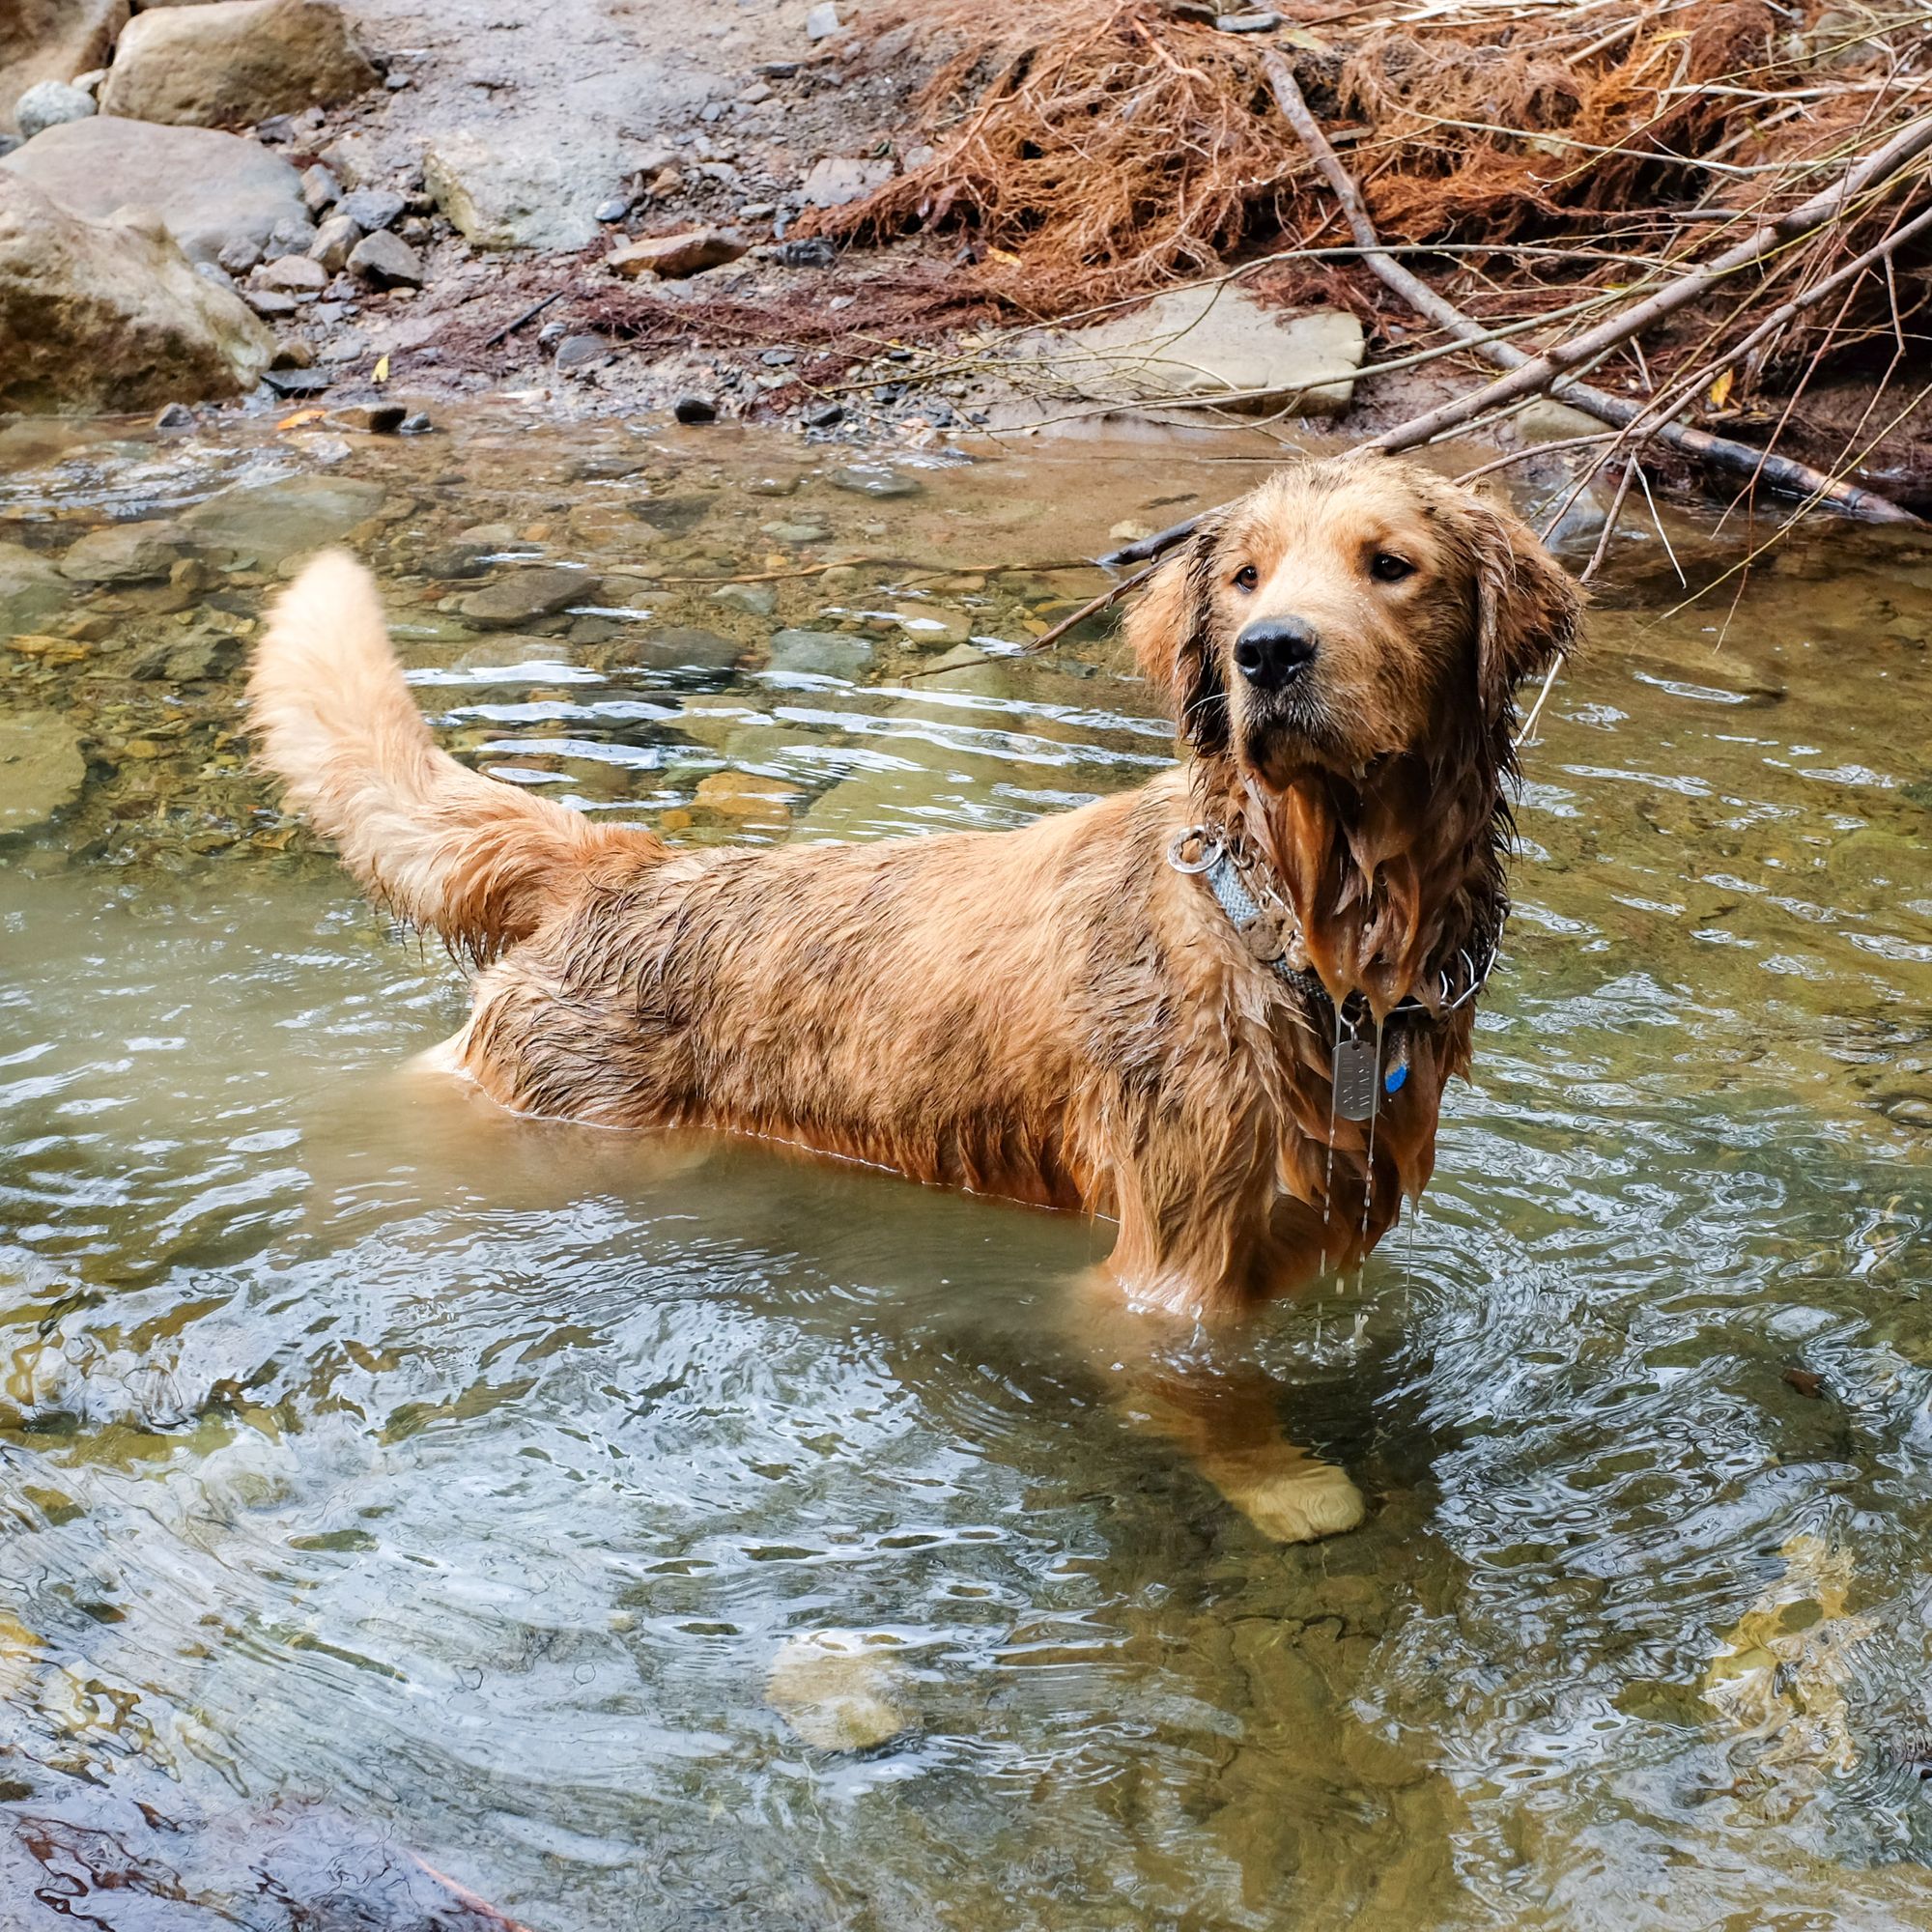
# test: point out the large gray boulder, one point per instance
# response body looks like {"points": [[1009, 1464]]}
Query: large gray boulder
{"points": [[209, 188], [52, 40], [234, 61], [521, 187], [111, 315]]}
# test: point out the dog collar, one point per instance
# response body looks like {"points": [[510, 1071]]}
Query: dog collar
{"points": [[1273, 936]]}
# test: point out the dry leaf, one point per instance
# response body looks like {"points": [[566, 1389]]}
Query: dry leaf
{"points": [[380, 372], [1720, 389], [300, 417]]}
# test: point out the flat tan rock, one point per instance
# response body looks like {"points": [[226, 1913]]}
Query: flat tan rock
{"points": [[1214, 342], [41, 770], [674, 256]]}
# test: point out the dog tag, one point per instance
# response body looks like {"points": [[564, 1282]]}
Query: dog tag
{"points": [[1354, 1079]]}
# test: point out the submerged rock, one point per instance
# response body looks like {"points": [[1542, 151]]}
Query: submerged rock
{"points": [[272, 520], [1782, 1678], [525, 595], [867, 479], [32, 591], [757, 600], [820, 654], [42, 769], [680, 647], [110, 315], [747, 801], [839, 1690], [233, 62], [210, 189]]}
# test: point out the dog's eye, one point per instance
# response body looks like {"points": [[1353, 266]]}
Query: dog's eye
{"points": [[1388, 568], [1247, 577]]}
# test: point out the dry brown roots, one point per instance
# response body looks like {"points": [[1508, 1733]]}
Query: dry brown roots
{"points": [[1094, 149]]}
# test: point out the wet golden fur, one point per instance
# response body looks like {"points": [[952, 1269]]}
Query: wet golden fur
{"points": [[1052, 1014]]}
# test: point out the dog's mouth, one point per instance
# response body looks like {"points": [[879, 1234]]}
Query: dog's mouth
{"points": [[1284, 732]]}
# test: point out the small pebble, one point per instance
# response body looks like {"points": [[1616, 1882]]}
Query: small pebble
{"points": [[581, 352], [614, 210], [694, 409], [177, 415], [418, 424], [810, 251], [863, 480], [320, 188], [824, 416], [777, 358]]}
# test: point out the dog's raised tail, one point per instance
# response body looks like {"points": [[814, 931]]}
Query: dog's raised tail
{"points": [[479, 861]]}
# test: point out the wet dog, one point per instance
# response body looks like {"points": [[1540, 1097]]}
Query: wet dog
{"points": [[1219, 1009]]}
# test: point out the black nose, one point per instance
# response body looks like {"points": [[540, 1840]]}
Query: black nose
{"points": [[1274, 651]]}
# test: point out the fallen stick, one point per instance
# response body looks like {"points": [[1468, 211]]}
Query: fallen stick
{"points": [[1740, 458], [1540, 371], [530, 314]]}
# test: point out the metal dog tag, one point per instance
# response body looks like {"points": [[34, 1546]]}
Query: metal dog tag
{"points": [[1354, 1079]]}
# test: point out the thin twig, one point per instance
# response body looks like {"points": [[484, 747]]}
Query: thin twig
{"points": [[1111, 595]]}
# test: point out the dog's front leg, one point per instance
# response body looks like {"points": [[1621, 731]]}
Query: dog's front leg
{"points": [[1163, 1374]]}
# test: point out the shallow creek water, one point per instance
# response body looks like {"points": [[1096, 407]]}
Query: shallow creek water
{"points": [[392, 1488]]}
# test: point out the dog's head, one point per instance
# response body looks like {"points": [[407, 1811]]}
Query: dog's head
{"points": [[1342, 648], [1349, 611]]}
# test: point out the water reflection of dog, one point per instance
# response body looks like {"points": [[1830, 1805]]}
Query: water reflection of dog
{"points": [[1219, 1009]]}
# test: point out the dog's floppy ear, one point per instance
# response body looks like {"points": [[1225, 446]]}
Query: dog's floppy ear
{"points": [[1528, 608], [1168, 628]]}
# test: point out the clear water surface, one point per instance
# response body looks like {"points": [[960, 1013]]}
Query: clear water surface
{"points": [[388, 1489]]}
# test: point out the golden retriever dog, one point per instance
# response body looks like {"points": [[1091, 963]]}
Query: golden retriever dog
{"points": [[1219, 1009]]}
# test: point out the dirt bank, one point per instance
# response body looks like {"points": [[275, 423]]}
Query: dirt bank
{"points": [[916, 225]]}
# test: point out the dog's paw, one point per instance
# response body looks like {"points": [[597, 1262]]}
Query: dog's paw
{"points": [[1289, 1497]]}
